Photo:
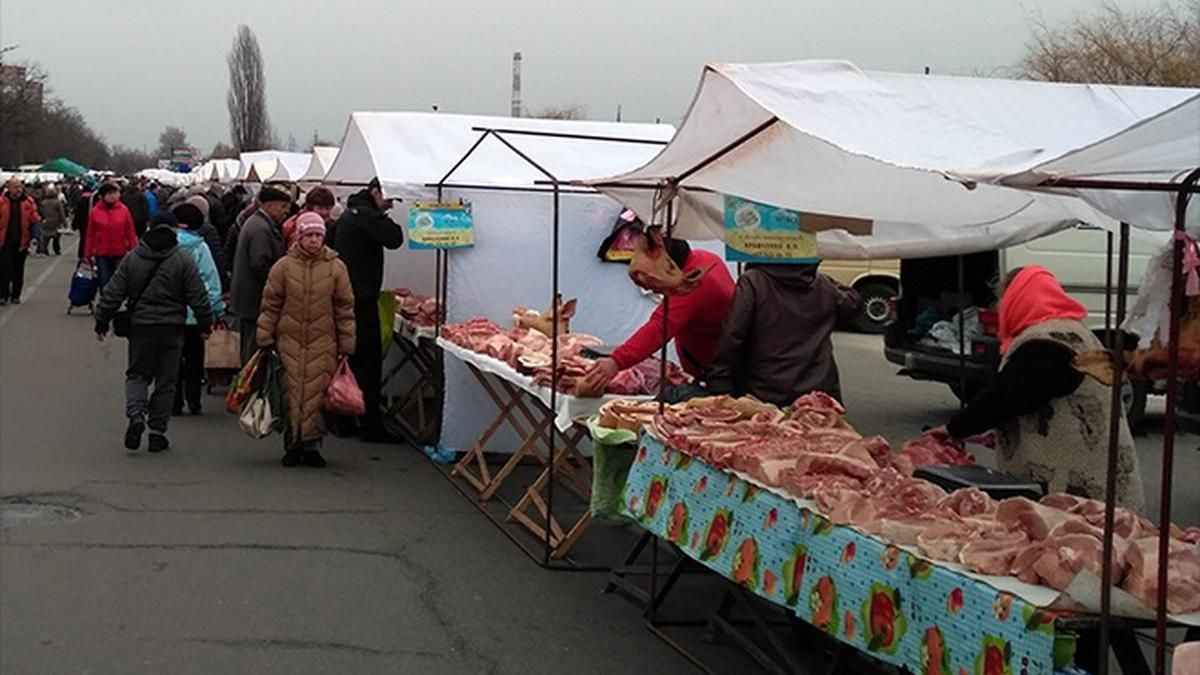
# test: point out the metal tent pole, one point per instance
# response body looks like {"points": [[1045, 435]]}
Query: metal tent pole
{"points": [[1170, 421], [1117, 346], [553, 431]]}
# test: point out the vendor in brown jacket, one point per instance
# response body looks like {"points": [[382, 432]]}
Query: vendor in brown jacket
{"points": [[775, 342], [308, 315]]}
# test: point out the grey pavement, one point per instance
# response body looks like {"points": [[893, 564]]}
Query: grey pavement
{"points": [[211, 558]]}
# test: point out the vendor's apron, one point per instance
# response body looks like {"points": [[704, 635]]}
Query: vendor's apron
{"points": [[1065, 444]]}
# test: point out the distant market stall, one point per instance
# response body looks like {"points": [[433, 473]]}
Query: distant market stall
{"points": [[499, 167]]}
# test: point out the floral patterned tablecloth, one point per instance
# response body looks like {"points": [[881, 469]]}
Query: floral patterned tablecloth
{"points": [[876, 597]]}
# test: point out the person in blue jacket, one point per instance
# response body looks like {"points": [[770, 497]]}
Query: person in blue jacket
{"points": [[152, 199], [191, 361]]}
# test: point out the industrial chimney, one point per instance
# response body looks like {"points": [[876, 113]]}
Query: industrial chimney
{"points": [[516, 89]]}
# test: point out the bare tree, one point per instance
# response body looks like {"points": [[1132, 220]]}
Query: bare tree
{"points": [[36, 127], [572, 111], [1154, 46], [171, 138], [249, 125], [127, 161], [223, 151]]}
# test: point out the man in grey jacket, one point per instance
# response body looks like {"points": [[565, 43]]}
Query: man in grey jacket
{"points": [[157, 283], [260, 245]]}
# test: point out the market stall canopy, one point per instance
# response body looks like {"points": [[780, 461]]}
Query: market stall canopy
{"points": [[64, 166], [1161, 149], [289, 167], [169, 178], [409, 151], [823, 137], [254, 166], [220, 170], [322, 159]]}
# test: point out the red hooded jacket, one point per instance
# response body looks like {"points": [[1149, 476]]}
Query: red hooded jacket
{"points": [[29, 216], [694, 321], [110, 232]]}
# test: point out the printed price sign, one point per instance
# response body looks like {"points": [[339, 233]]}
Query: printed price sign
{"points": [[435, 225], [760, 233]]}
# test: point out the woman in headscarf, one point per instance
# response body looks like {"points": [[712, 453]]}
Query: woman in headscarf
{"points": [[1052, 421], [308, 315]]}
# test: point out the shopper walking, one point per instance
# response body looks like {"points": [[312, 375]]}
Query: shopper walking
{"points": [[186, 218], [308, 316], [157, 283], [81, 212], [363, 231], [54, 221], [259, 246], [110, 234], [134, 199], [206, 229], [18, 214]]}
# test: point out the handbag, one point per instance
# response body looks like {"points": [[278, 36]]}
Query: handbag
{"points": [[343, 396], [122, 322], [222, 349], [262, 415]]}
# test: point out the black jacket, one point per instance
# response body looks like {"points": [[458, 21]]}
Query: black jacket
{"points": [[775, 342], [216, 216], [359, 237], [171, 282]]}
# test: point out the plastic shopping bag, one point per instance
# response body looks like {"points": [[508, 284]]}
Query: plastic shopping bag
{"points": [[613, 452], [342, 396], [262, 414], [243, 384]]}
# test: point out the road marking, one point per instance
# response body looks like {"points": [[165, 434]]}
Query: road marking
{"points": [[29, 290]]}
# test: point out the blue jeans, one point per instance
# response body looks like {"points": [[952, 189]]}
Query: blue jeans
{"points": [[106, 267]]}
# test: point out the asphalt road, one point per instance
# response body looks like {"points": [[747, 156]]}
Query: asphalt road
{"points": [[211, 558]]}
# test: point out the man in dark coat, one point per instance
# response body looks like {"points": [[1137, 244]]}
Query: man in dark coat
{"points": [[157, 282], [134, 199], [259, 245], [360, 236]]}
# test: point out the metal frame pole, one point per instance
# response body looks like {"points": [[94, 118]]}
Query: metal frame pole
{"points": [[1117, 347], [553, 430], [1170, 420]]}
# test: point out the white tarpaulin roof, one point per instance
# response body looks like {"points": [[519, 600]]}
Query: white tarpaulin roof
{"points": [[1161, 149], [832, 139], [289, 167], [220, 170], [169, 178], [322, 159], [256, 166], [410, 150]]}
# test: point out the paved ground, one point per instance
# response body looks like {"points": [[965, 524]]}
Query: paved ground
{"points": [[213, 559]]}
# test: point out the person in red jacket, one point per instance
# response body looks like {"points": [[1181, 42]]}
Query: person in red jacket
{"points": [[110, 234], [18, 213], [694, 319]]}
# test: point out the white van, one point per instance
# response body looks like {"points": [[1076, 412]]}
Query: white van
{"points": [[1079, 258]]}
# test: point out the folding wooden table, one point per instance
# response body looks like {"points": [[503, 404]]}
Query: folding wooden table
{"points": [[419, 350], [524, 407]]}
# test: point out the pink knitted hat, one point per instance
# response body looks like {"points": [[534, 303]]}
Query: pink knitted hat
{"points": [[309, 223]]}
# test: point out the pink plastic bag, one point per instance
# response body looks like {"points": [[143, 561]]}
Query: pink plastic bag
{"points": [[343, 397]]}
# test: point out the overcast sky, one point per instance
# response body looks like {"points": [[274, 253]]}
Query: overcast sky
{"points": [[132, 67]]}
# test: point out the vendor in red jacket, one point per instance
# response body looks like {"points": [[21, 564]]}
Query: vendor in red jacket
{"points": [[701, 292], [110, 234]]}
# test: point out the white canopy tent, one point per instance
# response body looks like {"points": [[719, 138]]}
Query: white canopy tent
{"points": [[1162, 149], [170, 178], [511, 263], [824, 137], [323, 157], [255, 166], [289, 167], [220, 170], [409, 151]]}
